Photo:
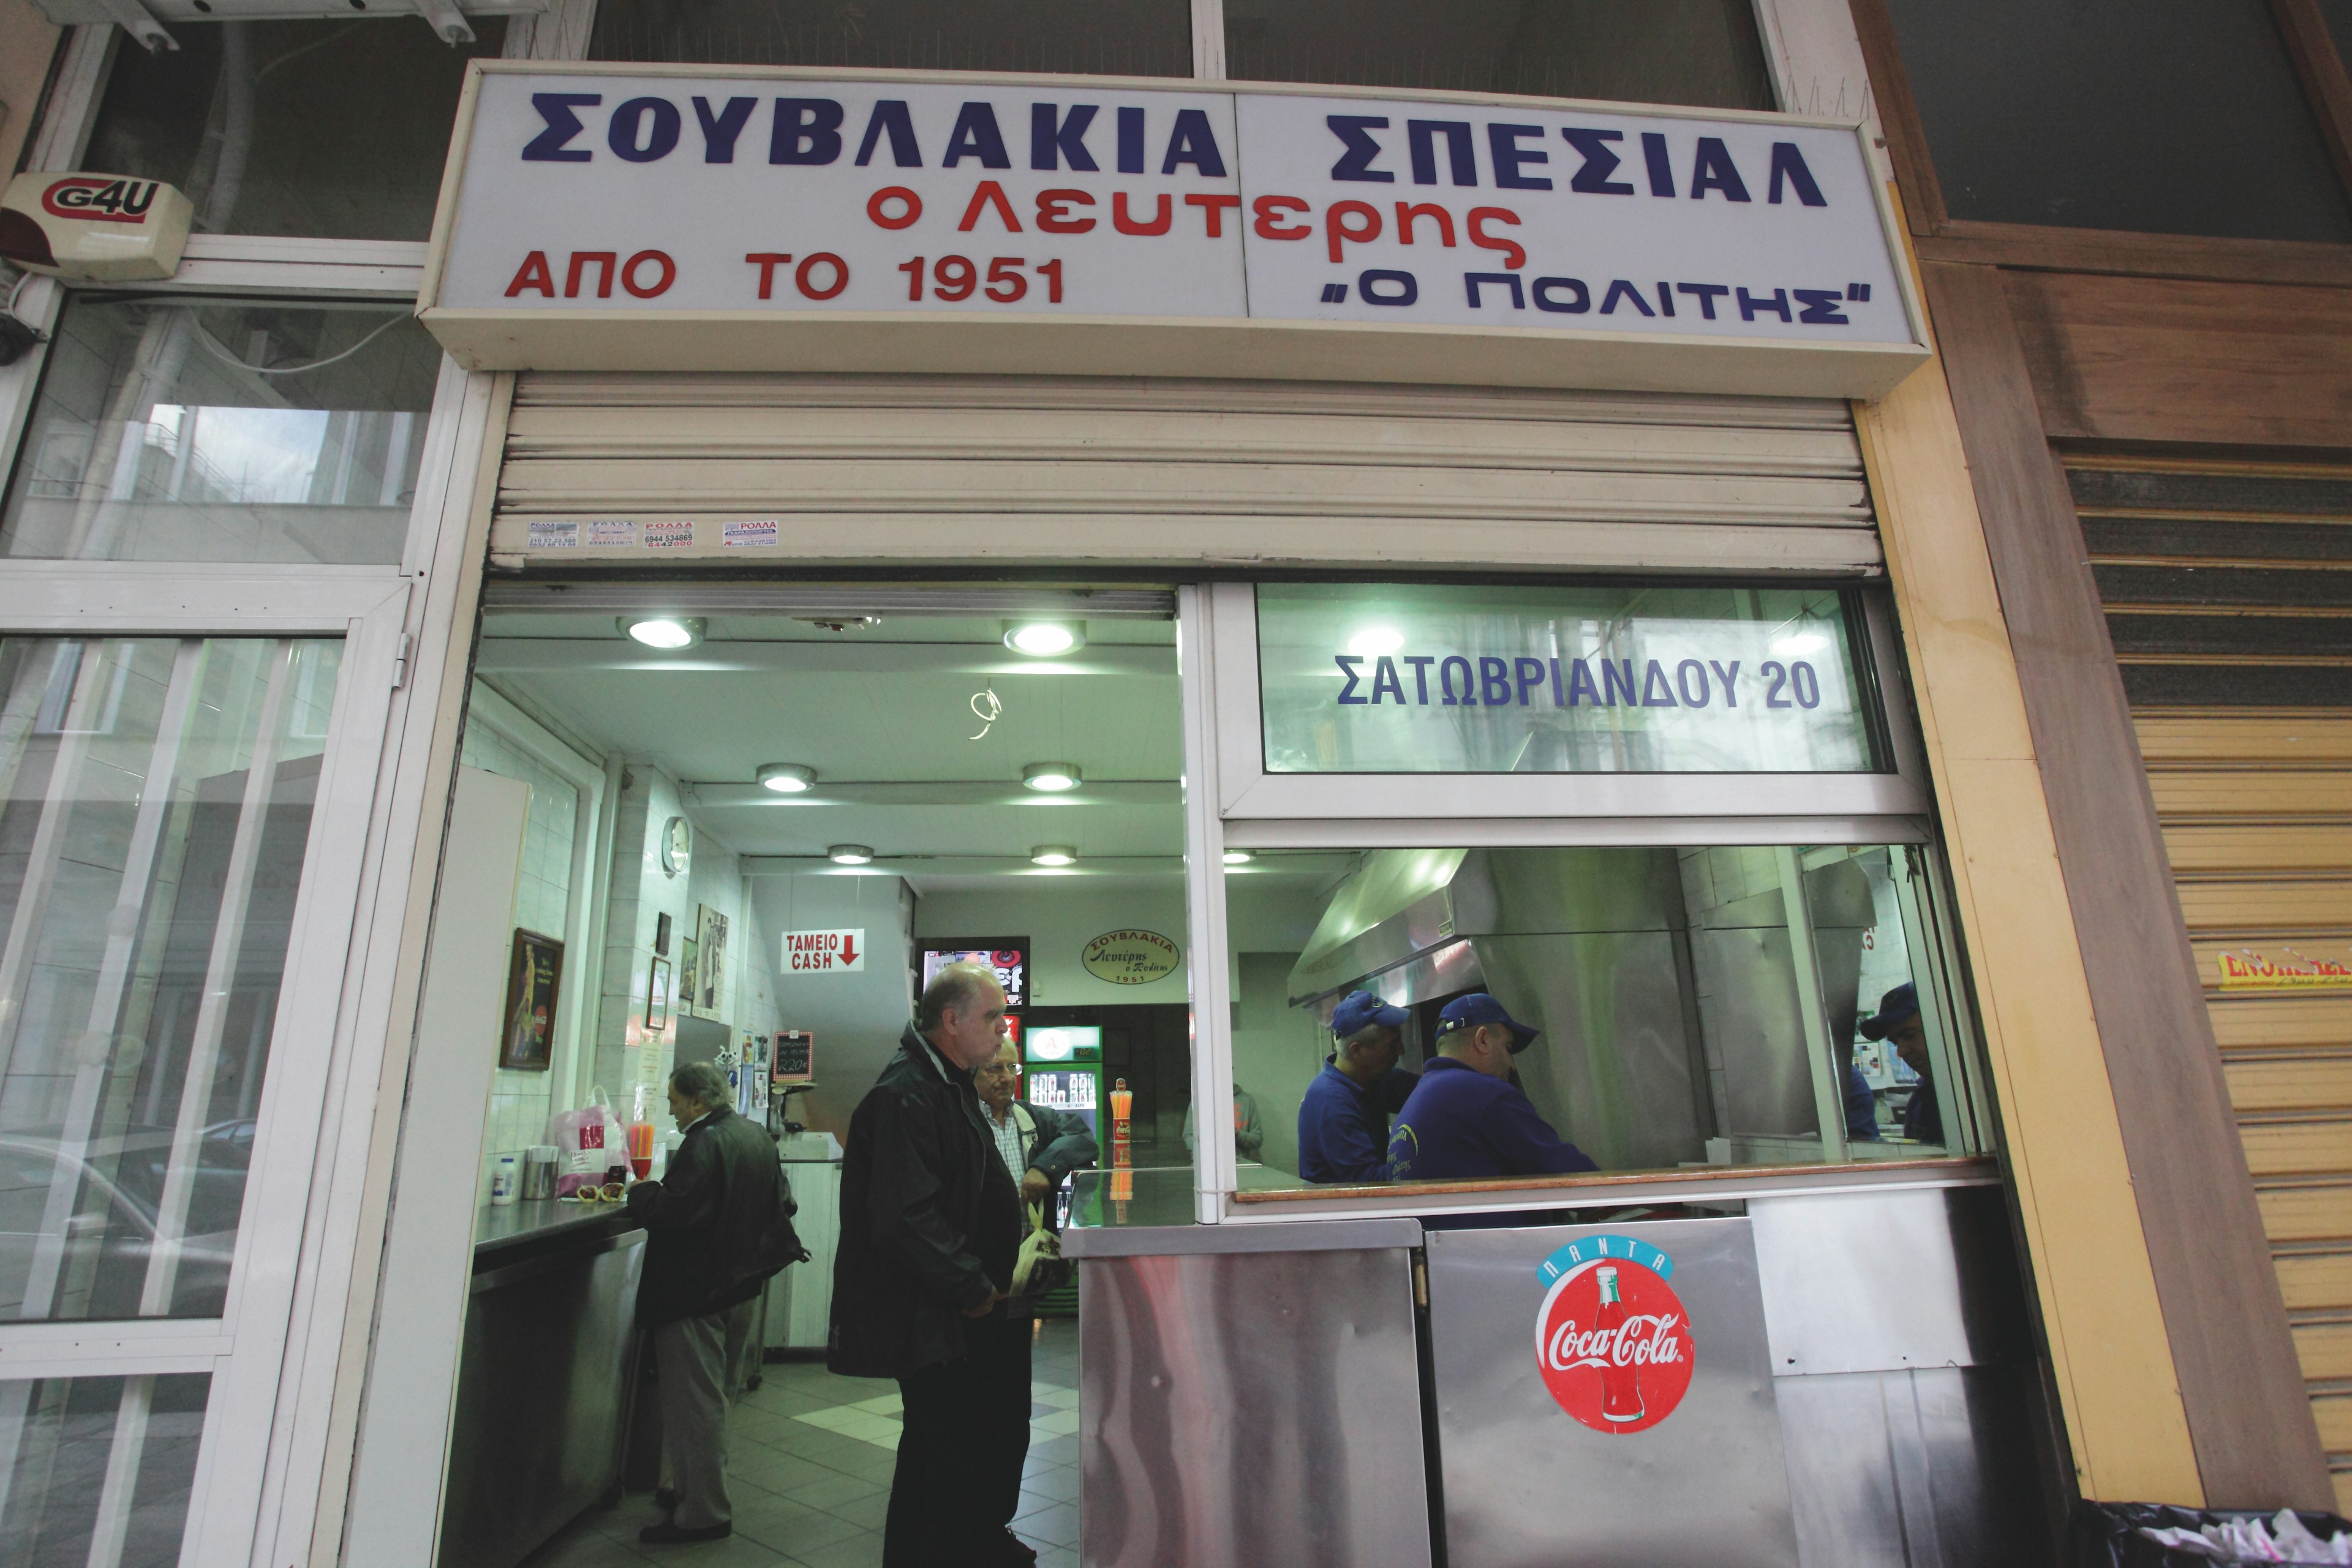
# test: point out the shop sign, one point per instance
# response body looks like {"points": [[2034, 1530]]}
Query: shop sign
{"points": [[2251, 971], [1612, 1339], [1406, 679], [94, 229], [788, 219], [1130, 957], [824, 951]]}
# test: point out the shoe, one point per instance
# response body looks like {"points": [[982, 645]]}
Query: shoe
{"points": [[1013, 1551], [670, 1532], [666, 1498]]}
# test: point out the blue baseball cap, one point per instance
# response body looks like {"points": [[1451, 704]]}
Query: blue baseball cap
{"points": [[1360, 1010], [1469, 1011], [1897, 1008]]}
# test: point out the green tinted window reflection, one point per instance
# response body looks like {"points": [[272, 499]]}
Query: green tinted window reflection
{"points": [[1408, 679]]}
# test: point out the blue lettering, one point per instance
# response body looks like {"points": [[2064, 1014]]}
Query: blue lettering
{"points": [[976, 136], [553, 145], [1503, 144], [1730, 679], [1600, 162], [1661, 172], [1612, 682], [1682, 673], [1580, 688], [1408, 288], [1706, 294], [1578, 300], [1495, 683], [1420, 139], [720, 129], [1787, 161], [890, 116], [1050, 135], [1655, 692], [1471, 280], [1347, 663], [1750, 303], [1130, 140], [1384, 679], [1712, 170], [1619, 289], [1421, 663], [629, 121], [807, 130], [1355, 133], [1469, 699], [1193, 142], [1821, 307], [1529, 674]]}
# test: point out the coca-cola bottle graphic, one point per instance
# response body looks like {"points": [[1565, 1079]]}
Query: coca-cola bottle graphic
{"points": [[1621, 1382]]}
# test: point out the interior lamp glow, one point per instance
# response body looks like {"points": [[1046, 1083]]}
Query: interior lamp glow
{"points": [[1238, 857], [1375, 642], [663, 631], [786, 778], [1796, 645], [1052, 778], [1044, 640], [850, 854], [1052, 855]]}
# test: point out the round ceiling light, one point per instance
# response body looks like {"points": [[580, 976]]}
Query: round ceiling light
{"points": [[1052, 778], [1044, 640], [1052, 855], [666, 632], [1238, 857], [850, 854], [786, 778], [1373, 642]]}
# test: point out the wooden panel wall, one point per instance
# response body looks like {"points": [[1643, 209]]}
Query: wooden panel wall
{"points": [[2240, 1379]]}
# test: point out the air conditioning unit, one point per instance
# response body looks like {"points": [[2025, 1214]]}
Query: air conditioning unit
{"points": [[94, 229]]}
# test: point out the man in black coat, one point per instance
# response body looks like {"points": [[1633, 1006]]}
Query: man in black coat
{"points": [[718, 1224], [931, 1220]]}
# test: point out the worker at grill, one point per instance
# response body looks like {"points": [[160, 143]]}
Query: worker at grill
{"points": [[1466, 1119], [1343, 1118]]}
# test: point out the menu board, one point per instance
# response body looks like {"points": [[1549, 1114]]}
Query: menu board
{"points": [[795, 1057]]}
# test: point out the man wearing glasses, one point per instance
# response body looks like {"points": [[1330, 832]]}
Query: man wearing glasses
{"points": [[1466, 1119]]}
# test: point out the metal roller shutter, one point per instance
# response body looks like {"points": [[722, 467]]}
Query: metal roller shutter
{"points": [[939, 470], [2227, 593]]}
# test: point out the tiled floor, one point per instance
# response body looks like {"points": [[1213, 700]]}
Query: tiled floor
{"points": [[810, 1475]]}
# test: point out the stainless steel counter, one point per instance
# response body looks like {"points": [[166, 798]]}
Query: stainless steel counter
{"points": [[543, 1376], [1157, 1222]]}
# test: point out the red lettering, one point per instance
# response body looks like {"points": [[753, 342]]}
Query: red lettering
{"points": [[989, 194], [840, 275], [767, 261], [1411, 213], [894, 193], [1336, 229], [1121, 221], [1214, 207], [1054, 215], [605, 260], [659, 258], [532, 274], [1514, 256], [1270, 211]]}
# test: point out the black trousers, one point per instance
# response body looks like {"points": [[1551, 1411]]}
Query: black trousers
{"points": [[965, 1439]]}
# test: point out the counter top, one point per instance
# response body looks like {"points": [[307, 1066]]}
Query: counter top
{"points": [[500, 1228], [1157, 1222]]}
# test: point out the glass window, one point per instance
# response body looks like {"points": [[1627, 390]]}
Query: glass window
{"points": [[1688, 1011], [100, 1469], [1471, 678], [209, 431], [324, 129], [1099, 38], [1697, 52], [2170, 116], [151, 838]]}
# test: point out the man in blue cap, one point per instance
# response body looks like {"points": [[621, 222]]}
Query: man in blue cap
{"points": [[1897, 1022], [1467, 1120], [1343, 1118]]}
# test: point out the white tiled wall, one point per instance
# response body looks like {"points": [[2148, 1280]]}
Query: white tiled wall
{"points": [[519, 1101]]}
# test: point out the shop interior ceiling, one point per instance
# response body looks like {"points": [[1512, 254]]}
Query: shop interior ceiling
{"points": [[917, 729]]}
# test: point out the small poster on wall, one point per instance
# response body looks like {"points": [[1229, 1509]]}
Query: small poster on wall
{"points": [[690, 970], [657, 997], [710, 927], [534, 974]]}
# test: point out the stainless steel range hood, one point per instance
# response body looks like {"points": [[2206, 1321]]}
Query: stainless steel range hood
{"points": [[1661, 980]]}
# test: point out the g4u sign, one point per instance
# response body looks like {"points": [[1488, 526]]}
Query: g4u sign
{"points": [[921, 220]]}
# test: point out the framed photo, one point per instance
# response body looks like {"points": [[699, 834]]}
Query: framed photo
{"points": [[689, 971], [1007, 956], [661, 935], [534, 983], [710, 929], [657, 997]]}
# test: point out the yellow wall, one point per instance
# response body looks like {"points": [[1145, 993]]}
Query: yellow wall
{"points": [[2062, 1139]]}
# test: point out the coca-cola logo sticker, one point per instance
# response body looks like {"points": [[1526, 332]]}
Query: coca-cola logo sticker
{"points": [[1612, 1341]]}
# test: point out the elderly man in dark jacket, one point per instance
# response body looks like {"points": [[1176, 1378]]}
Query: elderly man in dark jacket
{"points": [[719, 1225], [930, 1221]]}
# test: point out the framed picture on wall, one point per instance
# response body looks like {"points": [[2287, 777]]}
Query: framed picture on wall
{"points": [[710, 929], [534, 979], [661, 935], [689, 971], [657, 997]]}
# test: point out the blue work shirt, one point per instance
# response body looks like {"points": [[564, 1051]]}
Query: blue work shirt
{"points": [[1343, 1126], [1461, 1124]]}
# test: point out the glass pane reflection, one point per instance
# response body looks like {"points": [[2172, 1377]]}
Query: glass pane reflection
{"points": [[153, 832], [99, 1470]]}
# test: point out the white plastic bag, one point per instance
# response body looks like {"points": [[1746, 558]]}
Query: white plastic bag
{"points": [[588, 1142]]}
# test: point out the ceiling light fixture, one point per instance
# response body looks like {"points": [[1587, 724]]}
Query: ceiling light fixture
{"points": [[850, 854], [1052, 778], [1044, 640], [786, 778], [665, 632], [1238, 857], [1373, 642], [1052, 855]]}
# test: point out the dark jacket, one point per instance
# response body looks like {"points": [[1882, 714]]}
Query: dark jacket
{"points": [[1461, 1124], [1057, 1142], [1343, 1126], [718, 1223], [930, 1219]]}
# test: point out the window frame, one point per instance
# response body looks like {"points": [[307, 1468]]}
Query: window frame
{"points": [[1939, 237]]}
